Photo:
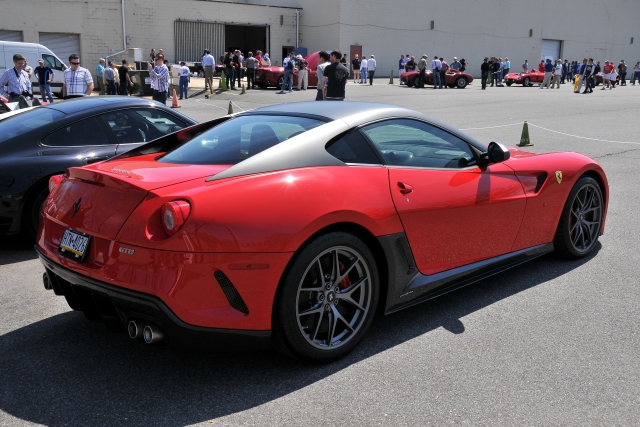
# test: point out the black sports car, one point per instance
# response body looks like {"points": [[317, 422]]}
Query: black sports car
{"points": [[45, 141]]}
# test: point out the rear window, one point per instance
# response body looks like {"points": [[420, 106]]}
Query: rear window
{"points": [[238, 139], [28, 121]]}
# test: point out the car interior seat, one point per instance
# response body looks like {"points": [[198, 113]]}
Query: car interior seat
{"points": [[262, 137]]}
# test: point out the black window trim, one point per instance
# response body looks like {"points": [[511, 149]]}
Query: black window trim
{"points": [[472, 147], [375, 151]]}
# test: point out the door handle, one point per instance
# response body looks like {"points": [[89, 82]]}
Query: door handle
{"points": [[405, 188]]}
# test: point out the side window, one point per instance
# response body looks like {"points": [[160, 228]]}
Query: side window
{"points": [[141, 125], [353, 148], [51, 62], [87, 132], [405, 142]]}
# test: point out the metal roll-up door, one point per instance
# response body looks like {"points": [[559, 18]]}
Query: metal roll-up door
{"points": [[550, 49], [10, 36], [192, 38], [62, 44]]}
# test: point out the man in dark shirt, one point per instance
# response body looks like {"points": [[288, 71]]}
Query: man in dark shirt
{"points": [[485, 72], [336, 76], [44, 75], [589, 73], [125, 80], [355, 68]]}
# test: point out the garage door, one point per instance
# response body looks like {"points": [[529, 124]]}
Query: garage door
{"points": [[550, 49], [192, 38], [62, 44], [10, 36]]}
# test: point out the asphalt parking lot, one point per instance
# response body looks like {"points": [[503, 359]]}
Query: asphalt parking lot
{"points": [[552, 343]]}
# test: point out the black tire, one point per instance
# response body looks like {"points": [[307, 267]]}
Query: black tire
{"points": [[509, 83], [338, 311], [461, 82], [280, 81], [31, 213], [581, 220], [526, 81]]}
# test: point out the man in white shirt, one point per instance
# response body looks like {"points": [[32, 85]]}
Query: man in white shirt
{"points": [[371, 68], [436, 66], [323, 61], [185, 78], [557, 74], [363, 69], [208, 62]]}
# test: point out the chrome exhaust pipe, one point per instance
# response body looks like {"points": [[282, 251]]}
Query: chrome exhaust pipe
{"points": [[47, 282], [135, 329], [152, 334]]}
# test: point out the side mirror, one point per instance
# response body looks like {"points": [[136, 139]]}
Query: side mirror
{"points": [[497, 153]]}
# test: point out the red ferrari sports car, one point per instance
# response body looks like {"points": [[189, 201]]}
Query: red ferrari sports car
{"points": [[454, 78], [294, 224], [535, 76], [273, 76]]}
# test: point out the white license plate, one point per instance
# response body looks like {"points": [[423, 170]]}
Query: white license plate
{"points": [[74, 244]]}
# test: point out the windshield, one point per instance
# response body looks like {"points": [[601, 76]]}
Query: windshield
{"points": [[16, 125], [238, 139]]}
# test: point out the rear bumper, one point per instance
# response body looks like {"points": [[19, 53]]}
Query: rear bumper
{"points": [[117, 306]]}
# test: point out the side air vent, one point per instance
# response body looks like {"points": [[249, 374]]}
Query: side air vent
{"points": [[231, 292], [403, 249], [541, 179]]}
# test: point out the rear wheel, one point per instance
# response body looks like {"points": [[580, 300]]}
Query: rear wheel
{"points": [[581, 220], [327, 299], [280, 80], [31, 216]]}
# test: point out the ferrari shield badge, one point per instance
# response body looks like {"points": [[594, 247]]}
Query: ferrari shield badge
{"points": [[559, 176]]}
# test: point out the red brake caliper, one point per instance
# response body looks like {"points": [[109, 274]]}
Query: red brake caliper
{"points": [[346, 282]]}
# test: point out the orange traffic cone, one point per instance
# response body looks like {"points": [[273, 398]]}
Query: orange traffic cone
{"points": [[175, 104]]}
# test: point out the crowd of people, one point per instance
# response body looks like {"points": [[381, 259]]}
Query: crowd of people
{"points": [[438, 66]]}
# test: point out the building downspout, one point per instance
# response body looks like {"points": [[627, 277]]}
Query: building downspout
{"points": [[124, 37], [297, 27]]}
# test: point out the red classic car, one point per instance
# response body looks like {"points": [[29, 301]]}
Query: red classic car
{"points": [[297, 223], [528, 79], [273, 76], [454, 78]]}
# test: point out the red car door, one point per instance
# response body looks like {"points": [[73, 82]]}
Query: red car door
{"points": [[453, 212]]}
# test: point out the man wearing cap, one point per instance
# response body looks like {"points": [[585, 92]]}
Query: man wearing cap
{"points": [[100, 74], [44, 75], [371, 68], [110, 78], [16, 80], [159, 79], [208, 63], [455, 65], [303, 73], [77, 81]]}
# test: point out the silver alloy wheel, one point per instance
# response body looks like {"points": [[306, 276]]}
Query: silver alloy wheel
{"points": [[461, 82], [585, 218], [334, 297]]}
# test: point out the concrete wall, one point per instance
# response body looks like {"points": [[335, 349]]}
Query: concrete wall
{"points": [[473, 29]]}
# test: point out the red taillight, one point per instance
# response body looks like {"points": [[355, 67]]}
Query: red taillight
{"points": [[174, 215], [54, 181]]}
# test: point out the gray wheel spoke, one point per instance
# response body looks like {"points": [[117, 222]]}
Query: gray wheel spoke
{"points": [[351, 289], [318, 308], [577, 236], [573, 227], [318, 289], [315, 333], [588, 199], [332, 327], [338, 316], [354, 303], [321, 272], [348, 269], [593, 209], [335, 266]]}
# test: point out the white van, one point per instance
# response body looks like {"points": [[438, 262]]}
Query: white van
{"points": [[33, 52]]}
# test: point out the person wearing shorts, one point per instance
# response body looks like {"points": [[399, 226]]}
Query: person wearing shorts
{"points": [[606, 75]]}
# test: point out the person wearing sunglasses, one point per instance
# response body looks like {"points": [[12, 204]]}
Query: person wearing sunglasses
{"points": [[159, 79], [77, 81]]}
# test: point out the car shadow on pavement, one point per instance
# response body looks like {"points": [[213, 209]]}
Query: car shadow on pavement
{"points": [[65, 370], [16, 248]]}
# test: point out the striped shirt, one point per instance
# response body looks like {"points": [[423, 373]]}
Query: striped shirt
{"points": [[159, 78], [77, 81], [15, 84]]}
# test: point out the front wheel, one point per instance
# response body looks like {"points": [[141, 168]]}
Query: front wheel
{"points": [[581, 220], [509, 83], [327, 299], [526, 82], [461, 82]]}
